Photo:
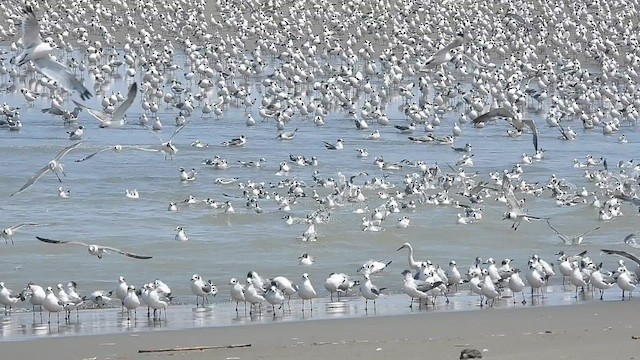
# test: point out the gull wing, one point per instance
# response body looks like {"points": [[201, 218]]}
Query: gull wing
{"points": [[376, 290], [176, 131], [122, 109], [61, 242], [66, 150], [101, 116], [206, 287], [532, 125], [30, 29], [632, 199], [441, 53], [562, 236], [65, 78], [33, 179], [493, 113], [519, 19], [622, 253], [140, 148], [562, 132], [512, 202], [631, 241], [125, 253], [18, 226], [588, 232], [94, 154], [156, 134], [113, 148]]}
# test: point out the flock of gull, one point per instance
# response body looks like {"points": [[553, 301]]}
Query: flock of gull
{"points": [[423, 283], [453, 67]]}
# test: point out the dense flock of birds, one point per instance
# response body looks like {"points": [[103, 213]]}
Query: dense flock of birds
{"points": [[567, 62]]}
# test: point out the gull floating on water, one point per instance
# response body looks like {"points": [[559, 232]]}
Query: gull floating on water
{"points": [[97, 250]]}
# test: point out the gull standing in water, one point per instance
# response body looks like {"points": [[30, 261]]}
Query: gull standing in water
{"points": [[131, 302], [369, 292], [97, 250], [52, 304], [37, 295], [39, 52], [627, 255], [117, 118], [202, 289], [54, 165], [8, 297], [306, 291], [237, 293]]}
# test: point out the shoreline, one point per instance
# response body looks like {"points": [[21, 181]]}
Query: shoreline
{"points": [[588, 329], [27, 325]]}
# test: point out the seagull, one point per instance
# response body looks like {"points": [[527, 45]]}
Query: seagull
{"points": [[76, 134], [306, 259], [8, 297], [97, 250], [7, 233], [53, 165], [444, 55], [287, 135], [117, 118], [116, 149], [513, 120], [631, 241], [306, 291], [202, 289], [339, 145], [52, 304], [98, 297], [572, 240], [38, 52], [274, 297], [236, 142], [373, 266], [369, 292], [237, 292], [167, 147], [625, 254], [180, 234], [466, 148], [516, 213], [132, 194]]}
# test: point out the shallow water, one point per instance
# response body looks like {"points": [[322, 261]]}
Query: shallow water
{"points": [[222, 246], [28, 325]]}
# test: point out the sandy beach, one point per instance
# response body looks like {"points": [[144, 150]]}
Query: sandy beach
{"points": [[594, 330]]}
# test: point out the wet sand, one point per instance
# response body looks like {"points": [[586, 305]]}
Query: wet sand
{"points": [[590, 330]]}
